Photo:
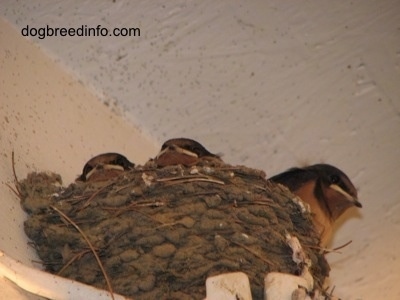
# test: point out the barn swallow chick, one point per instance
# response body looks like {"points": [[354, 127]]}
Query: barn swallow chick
{"points": [[183, 151], [327, 190], [105, 166]]}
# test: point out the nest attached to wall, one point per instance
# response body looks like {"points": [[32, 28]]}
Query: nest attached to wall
{"points": [[160, 232]]}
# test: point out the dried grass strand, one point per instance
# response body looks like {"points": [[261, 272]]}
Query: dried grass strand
{"points": [[179, 180], [16, 191], [110, 289]]}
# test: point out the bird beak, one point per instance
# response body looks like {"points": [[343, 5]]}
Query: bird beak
{"points": [[177, 149], [347, 195], [186, 152], [104, 167], [162, 152], [113, 167]]}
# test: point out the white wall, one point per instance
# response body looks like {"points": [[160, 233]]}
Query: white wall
{"points": [[271, 84]]}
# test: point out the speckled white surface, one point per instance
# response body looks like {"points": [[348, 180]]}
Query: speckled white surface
{"points": [[270, 84]]}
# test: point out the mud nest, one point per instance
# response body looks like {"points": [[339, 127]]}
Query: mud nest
{"points": [[160, 232]]}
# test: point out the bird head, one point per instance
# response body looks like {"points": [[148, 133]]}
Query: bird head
{"points": [[335, 188], [105, 161], [181, 151]]}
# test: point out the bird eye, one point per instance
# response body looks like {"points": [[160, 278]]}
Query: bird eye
{"points": [[334, 179]]}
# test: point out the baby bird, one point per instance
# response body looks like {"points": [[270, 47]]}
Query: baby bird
{"points": [[105, 166], [327, 190], [183, 151]]}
